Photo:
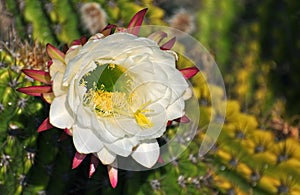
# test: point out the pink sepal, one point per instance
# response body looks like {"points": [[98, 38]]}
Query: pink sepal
{"points": [[113, 176], [78, 158], [158, 36], [49, 63], [136, 22], [160, 160], [93, 165], [189, 72], [68, 132], [48, 97], [55, 53], [45, 125], [38, 75], [80, 41], [108, 30], [184, 119], [35, 90], [169, 44]]}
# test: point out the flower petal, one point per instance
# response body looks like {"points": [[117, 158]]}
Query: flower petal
{"points": [[85, 140], [55, 53], [147, 153], [106, 157], [157, 117], [176, 109], [57, 66], [123, 147], [38, 75], [113, 175], [189, 72], [35, 90], [136, 22], [188, 93], [78, 158], [60, 114], [45, 125], [108, 134], [57, 87], [169, 44]]}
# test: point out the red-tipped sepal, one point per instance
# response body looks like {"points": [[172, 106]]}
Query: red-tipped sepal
{"points": [[48, 97], [93, 165], [38, 75], [45, 125], [160, 160], [113, 176], [68, 132], [158, 36], [189, 72], [109, 29], [55, 53], [49, 63], [136, 22], [80, 41], [78, 158], [35, 90], [169, 44], [184, 119]]}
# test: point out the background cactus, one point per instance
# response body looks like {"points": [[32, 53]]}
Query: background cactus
{"points": [[258, 149]]}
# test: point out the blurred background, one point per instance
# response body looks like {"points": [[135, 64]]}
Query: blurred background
{"points": [[256, 44]]}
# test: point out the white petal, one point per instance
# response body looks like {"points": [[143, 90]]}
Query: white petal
{"points": [[157, 117], [187, 94], [150, 92], [106, 156], [123, 147], [103, 133], [57, 66], [72, 52], [57, 87], [74, 95], [176, 109], [85, 140], [111, 125], [147, 153], [72, 69], [84, 116], [60, 114]]}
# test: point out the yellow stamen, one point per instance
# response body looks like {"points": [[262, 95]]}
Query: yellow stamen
{"points": [[141, 119], [104, 102]]}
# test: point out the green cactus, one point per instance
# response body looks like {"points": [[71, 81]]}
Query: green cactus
{"points": [[20, 116]]}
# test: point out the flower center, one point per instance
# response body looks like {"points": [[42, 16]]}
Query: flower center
{"points": [[106, 91], [109, 94]]}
